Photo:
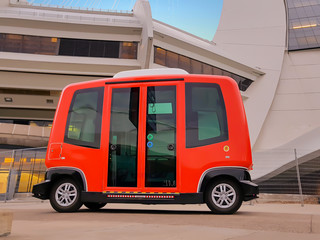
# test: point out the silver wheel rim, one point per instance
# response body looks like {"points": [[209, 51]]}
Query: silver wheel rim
{"points": [[223, 195], [66, 194]]}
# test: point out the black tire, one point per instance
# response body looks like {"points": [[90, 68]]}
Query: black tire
{"points": [[94, 206], [223, 196], [65, 195]]}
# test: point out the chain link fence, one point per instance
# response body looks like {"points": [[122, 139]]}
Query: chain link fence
{"points": [[20, 170]]}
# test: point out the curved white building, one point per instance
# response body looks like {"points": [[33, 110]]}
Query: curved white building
{"points": [[271, 48], [283, 106]]}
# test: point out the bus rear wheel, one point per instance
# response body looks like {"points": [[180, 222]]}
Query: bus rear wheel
{"points": [[65, 196], [223, 196]]}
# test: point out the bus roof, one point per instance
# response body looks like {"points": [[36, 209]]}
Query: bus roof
{"points": [[150, 72]]}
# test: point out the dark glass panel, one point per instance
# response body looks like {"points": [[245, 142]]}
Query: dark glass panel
{"points": [[217, 71], [48, 46], [184, 63], [226, 73], [196, 67], [206, 119], [111, 49], [303, 24], [161, 137], [30, 44], [13, 43], [84, 118], [207, 69], [128, 50], [82, 48], [123, 141], [160, 56], [96, 48], [67, 47], [2, 41], [172, 59]]}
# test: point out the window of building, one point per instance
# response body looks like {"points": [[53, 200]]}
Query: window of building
{"points": [[111, 49], [128, 50], [12, 43], [207, 69], [48, 46], [67, 46], [96, 49], [84, 119], [303, 24], [206, 119], [185, 63], [160, 56], [196, 67], [28, 44], [173, 60], [82, 48]]}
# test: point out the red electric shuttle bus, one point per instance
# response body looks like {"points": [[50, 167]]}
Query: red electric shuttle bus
{"points": [[163, 137]]}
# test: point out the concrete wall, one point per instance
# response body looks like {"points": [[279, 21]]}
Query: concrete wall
{"points": [[283, 106], [296, 107], [24, 135], [256, 32], [293, 120]]}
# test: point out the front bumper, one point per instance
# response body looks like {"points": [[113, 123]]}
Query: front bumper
{"points": [[42, 190], [250, 190]]}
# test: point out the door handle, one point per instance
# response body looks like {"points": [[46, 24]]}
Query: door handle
{"points": [[171, 147], [113, 147]]}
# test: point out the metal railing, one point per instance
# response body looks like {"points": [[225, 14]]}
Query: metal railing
{"points": [[20, 170], [292, 173]]}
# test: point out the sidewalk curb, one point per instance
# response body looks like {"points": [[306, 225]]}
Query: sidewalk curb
{"points": [[5, 222]]}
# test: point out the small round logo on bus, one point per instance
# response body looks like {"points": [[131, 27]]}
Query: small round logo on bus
{"points": [[150, 137], [149, 144], [226, 148]]}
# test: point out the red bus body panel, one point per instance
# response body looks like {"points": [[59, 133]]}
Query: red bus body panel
{"points": [[191, 163]]}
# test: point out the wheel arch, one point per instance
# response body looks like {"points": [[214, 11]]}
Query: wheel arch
{"points": [[56, 173], [233, 173]]}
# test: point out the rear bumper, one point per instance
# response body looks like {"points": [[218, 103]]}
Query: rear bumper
{"points": [[42, 190], [250, 190]]}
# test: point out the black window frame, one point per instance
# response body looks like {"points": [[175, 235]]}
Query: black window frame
{"points": [[97, 138], [193, 141]]}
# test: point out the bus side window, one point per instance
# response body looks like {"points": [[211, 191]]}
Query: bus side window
{"points": [[206, 120], [84, 118]]}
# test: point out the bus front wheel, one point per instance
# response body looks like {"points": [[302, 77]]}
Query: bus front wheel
{"points": [[65, 196], [223, 196]]}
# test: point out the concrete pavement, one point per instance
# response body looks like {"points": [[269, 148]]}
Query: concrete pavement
{"points": [[37, 220]]}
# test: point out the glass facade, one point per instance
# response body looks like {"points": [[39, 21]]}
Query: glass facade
{"points": [[303, 24], [67, 46], [173, 60], [28, 44]]}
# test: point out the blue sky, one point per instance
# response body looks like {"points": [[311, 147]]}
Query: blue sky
{"points": [[199, 17]]}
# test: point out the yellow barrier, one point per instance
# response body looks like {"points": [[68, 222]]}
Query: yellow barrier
{"points": [[37, 160], [3, 182], [11, 160], [8, 160], [27, 180]]}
